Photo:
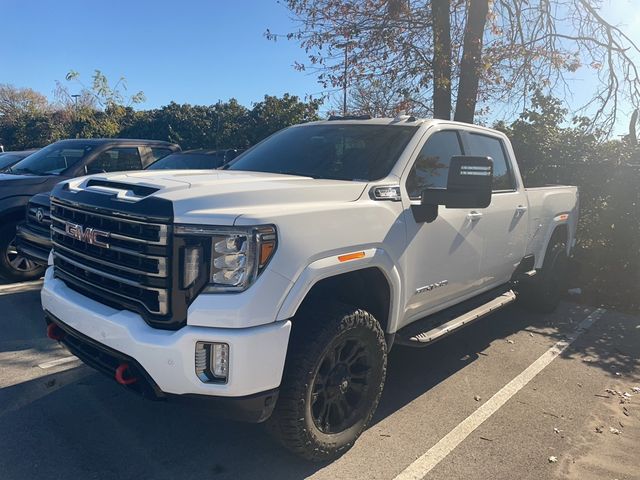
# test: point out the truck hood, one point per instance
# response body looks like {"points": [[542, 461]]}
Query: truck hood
{"points": [[218, 197]]}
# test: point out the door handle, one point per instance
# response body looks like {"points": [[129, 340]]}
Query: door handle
{"points": [[474, 216], [521, 209]]}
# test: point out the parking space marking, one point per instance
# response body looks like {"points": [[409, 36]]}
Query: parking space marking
{"points": [[20, 287], [425, 463], [58, 361]]}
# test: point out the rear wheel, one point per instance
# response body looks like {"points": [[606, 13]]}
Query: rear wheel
{"points": [[332, 383], [14, 266], [543, 292]]}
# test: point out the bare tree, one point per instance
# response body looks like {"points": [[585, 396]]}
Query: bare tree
{"points": [[18, 101], [441, 59], [382, 97], [471, 66], [500, 50]]}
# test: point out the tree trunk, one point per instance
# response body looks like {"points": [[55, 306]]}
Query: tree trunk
{"points": [[471, 60], [441, 59]]}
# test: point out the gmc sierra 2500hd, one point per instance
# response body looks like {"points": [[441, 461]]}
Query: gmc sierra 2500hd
{"points": [[276, 286]]}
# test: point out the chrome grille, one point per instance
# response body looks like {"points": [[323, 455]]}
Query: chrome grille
{"points": [[130, 272]]}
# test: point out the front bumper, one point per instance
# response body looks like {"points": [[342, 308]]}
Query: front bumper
{"points": [[257, 354], [33, 245]]}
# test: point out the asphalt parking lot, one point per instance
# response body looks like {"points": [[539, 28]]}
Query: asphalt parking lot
{"points": [[502, 399]]}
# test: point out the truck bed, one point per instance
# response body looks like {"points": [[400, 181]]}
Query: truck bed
{"points": [[546, 206]]}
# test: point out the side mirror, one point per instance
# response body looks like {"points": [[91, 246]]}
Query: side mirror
{"points": [[469, 185]]}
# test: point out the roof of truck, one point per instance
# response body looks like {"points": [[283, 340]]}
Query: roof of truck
{"points": [[401, 120]]}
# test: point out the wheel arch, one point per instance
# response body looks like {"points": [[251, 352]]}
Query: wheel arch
{"points": [[13, 209], [559, 232], [371, 283]]}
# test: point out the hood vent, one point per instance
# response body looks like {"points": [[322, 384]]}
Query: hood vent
{"points": [[125, 190]]}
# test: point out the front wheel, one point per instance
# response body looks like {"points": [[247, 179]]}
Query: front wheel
{"points": [[14, 266], [332, 382]]}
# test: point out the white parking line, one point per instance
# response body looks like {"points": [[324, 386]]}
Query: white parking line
{"points": [[425, 463], [20, 287], [58, 361]]}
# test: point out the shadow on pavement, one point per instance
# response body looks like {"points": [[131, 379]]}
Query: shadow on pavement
{"points": [[93, 429]]}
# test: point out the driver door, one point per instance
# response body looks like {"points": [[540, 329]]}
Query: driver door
{"points": [[442, 258]]}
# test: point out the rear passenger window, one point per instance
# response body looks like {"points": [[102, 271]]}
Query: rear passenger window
{"points": [[431, 168], [484, 146], [116, 160]]}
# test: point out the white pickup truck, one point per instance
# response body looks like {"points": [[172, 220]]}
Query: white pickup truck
{"points": [[276, 287]]}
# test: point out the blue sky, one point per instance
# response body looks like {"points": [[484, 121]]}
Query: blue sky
{"points": [[188, 51], [193, 51]]}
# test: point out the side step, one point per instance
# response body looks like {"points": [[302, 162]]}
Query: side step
{"points": [[427, 330]]}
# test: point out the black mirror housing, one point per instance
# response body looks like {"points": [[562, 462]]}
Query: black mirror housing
{"points": [[469, 184]]}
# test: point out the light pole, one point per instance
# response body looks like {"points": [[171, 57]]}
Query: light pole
{"points": [[75, 100], [345, 46]]}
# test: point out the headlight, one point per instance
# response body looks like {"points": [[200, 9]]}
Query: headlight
{"points": [[237, 255]]}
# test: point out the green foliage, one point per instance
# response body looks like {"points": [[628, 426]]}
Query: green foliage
{"points": [[222, 125], [273, 114], [607, 257], [101, 92]]}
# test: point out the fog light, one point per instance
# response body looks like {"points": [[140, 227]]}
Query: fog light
{"points": [[220, 360], [212, 362]]}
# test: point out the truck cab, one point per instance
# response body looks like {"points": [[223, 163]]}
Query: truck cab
{"points": [[276, 287]]}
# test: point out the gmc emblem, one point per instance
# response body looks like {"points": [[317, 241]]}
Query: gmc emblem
{"points": [[87, 235]]}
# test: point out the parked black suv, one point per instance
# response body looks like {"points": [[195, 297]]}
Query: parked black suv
{"points": [[40, 171]]}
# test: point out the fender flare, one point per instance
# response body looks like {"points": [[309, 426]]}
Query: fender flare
{"points": [[331, 266], [559, 221]]}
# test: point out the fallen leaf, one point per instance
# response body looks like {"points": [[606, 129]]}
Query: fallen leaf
{"points": [[556, 430], [511, 342], [599, 429], [553, 459], [477, 398], [615, 431], [636, 389]]}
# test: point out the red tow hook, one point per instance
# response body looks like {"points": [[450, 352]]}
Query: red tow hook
{"points": [[54, 332], [120, 371]]}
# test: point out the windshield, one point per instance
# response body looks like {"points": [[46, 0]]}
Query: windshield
{"points": [[8, 159], [188, 161], [341, 152], [53, 160]]}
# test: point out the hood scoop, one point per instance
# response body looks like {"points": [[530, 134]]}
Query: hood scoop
{"points": [[123, 191]]}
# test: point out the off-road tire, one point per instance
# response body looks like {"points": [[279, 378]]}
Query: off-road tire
{"points": [[317, 334], [543, 292], [8, 271]]}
